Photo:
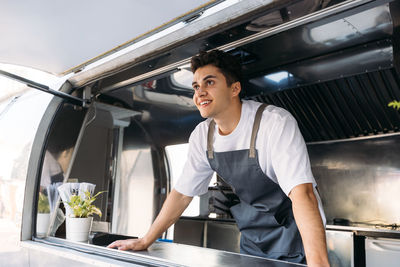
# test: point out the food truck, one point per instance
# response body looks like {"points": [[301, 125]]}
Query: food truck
{"points": [[121, 121]]}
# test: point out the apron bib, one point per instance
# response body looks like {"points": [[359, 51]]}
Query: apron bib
{"points": [[264, 215]]}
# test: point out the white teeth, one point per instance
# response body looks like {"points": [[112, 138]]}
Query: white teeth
{"points": [[204, 102]]}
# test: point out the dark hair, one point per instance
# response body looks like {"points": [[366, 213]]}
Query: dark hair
{"points": [[228, 65]]}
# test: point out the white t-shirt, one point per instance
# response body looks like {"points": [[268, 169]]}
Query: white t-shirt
{"points": [[282, 152]]}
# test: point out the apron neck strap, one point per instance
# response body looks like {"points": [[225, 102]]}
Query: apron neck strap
{"points": [[256, 126], [211, 130]]}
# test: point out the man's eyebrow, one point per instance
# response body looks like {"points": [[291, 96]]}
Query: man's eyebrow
{"points": [[209, 76], [205, 78]]}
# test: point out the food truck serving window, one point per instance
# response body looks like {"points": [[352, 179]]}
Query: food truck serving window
{"points": [[79, 176]]}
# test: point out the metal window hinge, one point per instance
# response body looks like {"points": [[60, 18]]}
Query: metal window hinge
{"points": [[72, 99]]}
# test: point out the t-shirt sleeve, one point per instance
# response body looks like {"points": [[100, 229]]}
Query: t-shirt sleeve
{"points": [[289, 155], [197, 173]]}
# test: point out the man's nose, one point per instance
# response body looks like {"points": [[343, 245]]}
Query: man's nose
{"points": [[200, 91]]}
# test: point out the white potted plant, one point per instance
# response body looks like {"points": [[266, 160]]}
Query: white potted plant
{"points": [[79, 222], [43, 216]]}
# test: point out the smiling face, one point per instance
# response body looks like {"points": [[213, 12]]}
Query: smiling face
{"points": [[213, 96]]}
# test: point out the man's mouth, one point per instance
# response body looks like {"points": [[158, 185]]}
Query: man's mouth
{"points": [[205, 103]]}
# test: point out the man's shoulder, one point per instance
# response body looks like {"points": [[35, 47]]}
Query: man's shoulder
{"points": [[271, 112], [200, 131], [202, 126], [277, 113]]}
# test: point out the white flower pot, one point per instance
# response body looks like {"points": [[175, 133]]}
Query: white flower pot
{"points": [[78, 228], [42, 223]]}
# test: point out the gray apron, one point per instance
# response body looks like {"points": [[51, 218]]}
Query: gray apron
{"points": [[264, 214]]}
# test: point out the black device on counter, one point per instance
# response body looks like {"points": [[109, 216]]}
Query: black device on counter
{"points": [[104, 239], [341, 221]]}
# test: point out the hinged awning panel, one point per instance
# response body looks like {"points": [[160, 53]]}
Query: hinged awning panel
{"points": [[56, 36]]}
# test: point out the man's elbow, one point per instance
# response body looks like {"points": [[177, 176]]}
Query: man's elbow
{"points": [[184, 199], [303, 192]]}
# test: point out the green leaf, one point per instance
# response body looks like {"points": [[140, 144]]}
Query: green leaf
{"points": [[395, 104], [95, 210], [43, 203], [83, 207]]}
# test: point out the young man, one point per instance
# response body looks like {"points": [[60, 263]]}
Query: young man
{"points": [[257, 149]]}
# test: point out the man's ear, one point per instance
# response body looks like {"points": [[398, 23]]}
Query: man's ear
{"points": [[236, 88]]}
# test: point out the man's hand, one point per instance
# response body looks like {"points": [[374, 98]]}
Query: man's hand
{"points": [[129, 244], [172, 209]]}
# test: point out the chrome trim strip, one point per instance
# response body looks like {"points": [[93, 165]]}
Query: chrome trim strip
{"points": [[352, 139], [333, 227], [334, 10], [117, 255], [117, 181]]}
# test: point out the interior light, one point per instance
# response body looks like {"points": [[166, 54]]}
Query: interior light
{"points": [[277, 77]]}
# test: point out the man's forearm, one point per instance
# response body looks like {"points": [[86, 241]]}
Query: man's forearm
{"points": [[309, 222], [173, 207]]}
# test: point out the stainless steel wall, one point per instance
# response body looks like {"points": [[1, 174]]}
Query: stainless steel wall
{"points": [[359, 179], [208, 233]]}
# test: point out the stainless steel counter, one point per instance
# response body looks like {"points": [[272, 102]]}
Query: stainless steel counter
{"points": [[196, 256], [163, 254], [367, 231]]}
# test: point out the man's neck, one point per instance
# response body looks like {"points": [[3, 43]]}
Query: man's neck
{"points": [[228, 121]]}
